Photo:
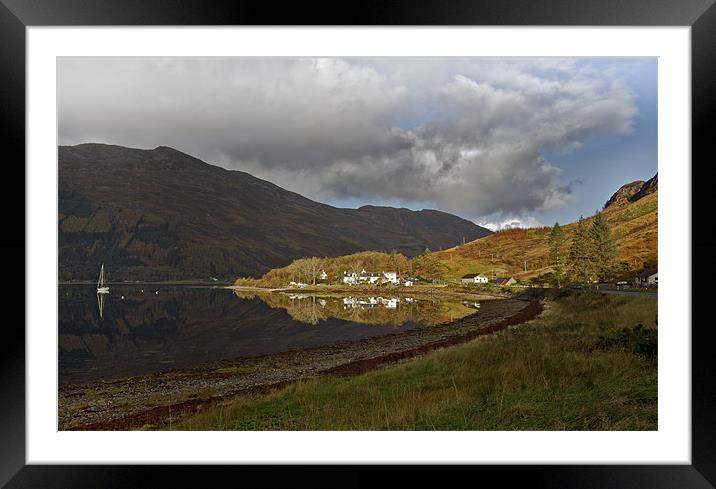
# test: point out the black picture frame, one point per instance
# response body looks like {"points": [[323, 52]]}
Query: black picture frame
{"points": [[16, 15]]}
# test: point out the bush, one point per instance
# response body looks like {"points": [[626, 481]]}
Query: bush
{"points": [[639, 340]]}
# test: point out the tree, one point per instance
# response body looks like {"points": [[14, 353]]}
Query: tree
{"points": [[398, 263], [604, 248], [427, 265], [556, 253], [581, 253], [306, 268]]}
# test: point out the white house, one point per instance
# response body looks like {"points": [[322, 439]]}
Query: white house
{"points": [[370, 277], [648, 278], [391, 277], [350, 278], [323, 275], [474, 278]]}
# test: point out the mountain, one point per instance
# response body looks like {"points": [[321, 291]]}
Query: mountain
{"points": [[164, 215], [633, 221]]}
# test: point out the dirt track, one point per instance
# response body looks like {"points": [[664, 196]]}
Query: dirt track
{"points": [[157, 400]]}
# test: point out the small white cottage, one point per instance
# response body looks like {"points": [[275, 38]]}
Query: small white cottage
{"points": [[350, 278], [648, 278], [474, 278], [391, 277]]}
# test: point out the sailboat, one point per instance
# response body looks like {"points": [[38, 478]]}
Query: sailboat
{"points": [[101, 287]]}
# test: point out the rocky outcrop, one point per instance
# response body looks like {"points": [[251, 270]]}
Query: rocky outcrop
{"points": [[649, 187], [631, 192], [625, 192]]}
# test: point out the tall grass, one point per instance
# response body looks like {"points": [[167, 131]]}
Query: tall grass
{"points": [[550, 374]]}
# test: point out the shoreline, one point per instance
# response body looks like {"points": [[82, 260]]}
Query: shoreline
{"points": [[176, 282], [419, 291], [157, 400]]}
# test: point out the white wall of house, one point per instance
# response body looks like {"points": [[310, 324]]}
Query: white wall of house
{"points": [[370, 277], [480, 279], [651, 280], [391, 277]]}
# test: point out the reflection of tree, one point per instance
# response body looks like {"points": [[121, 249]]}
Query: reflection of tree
{"points": [[307, 310], [244, 294]]}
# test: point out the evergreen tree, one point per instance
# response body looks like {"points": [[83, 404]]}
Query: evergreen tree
{"points": [[556, 253], [604, 248], [581, 253]]}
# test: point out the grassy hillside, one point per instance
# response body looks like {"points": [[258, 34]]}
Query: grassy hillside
{"points": [[583, 365], [634, 226]]}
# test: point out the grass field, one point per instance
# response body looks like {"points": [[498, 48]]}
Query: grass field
{"points": [[583, 365]]}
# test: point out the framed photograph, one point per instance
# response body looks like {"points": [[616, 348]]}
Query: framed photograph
{"points": [[424, 234]]}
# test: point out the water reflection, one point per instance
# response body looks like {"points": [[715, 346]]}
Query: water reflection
{"points": [[353, 302], [369, 310], [136, 330], [100, 303]]}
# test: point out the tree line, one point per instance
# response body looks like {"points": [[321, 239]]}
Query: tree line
{"points": [[591, 256]]}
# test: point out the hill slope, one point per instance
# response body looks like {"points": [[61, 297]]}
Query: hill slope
{"points": [[161, 214], [632, 213]]}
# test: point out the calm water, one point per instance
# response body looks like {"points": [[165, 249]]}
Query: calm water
{"points": [[141, 329]]}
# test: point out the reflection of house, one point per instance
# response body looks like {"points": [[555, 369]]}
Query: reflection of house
{"points": [[503, 281], [370, 277], [353, 302], [474, 278], [647, 278], [473, 305]]}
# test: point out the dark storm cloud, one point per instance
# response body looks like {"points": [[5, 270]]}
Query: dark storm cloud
{"points": [[466, 134]]}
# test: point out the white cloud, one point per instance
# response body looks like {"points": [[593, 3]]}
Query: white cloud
{"points": [[522, 222]]}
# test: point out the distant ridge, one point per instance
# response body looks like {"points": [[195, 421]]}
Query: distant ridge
{"points": [[161, 214]]}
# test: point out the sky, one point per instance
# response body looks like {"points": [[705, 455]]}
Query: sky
{"points": [[504, 142]]}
